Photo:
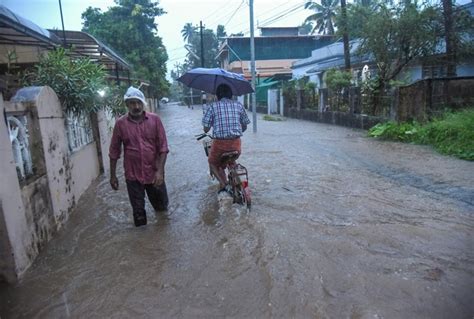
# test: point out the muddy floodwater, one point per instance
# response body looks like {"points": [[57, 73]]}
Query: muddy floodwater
{"points": [[342, 226]]}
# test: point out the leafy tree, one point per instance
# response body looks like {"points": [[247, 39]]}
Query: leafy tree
{"points": [[324, 16], [306, 27], [210, 44], [338, 82], [394, 36], [220, 32], [130, 29]]}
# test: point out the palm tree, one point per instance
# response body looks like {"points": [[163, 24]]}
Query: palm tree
{"points": [[188, 32], [324, 17]]}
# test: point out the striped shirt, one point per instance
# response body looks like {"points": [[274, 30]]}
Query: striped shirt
{"points": [[226, 118]]}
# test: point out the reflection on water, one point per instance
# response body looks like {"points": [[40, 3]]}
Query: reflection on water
{"points": [[341, 226]]}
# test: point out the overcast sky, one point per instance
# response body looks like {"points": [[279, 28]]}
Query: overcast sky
{"points": [[234, 14]]}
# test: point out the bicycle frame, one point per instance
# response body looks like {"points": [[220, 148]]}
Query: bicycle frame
{"points": [[236, 173]]}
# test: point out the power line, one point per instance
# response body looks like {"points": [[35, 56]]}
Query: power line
{"points": [[234, 13], [268, 12], [296, 10], [178, 58], [215, 11], [279, 14], [216, 20]]}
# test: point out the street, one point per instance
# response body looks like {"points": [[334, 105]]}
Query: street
{"points": [[341, 226]]}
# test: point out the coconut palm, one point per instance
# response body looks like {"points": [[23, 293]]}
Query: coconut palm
{"points": [[188, 32], [324, 17]]}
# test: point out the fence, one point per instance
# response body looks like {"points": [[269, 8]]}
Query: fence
{"points": [[356, 108], [430, 97], [79, 131]]}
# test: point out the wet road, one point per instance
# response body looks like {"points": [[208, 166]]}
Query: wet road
{"points": [[342, 226]]}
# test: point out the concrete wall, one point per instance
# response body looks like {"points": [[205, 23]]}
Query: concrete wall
{"points": [[34, 208], [105, 134], [14, 237], [7, 261], [336, 118]]}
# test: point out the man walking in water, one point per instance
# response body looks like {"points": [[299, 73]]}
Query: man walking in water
{"points": [[145, 150]]}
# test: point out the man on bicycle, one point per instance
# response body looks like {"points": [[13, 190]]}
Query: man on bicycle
{"points": [[228, 120]]}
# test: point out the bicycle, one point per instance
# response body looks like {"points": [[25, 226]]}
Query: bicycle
{"points": [[237, 174]]}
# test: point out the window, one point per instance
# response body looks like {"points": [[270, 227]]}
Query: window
{"points": [[79, 131], [18, 131], [433, 71]]}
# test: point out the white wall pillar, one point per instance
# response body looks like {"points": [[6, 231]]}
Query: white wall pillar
{"points": [[282, 103]]}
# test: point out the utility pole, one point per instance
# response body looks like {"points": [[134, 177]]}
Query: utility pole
{"points": [[202, 47], [252, 68], [62, 21]]}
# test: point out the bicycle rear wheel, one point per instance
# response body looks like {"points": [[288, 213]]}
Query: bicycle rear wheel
{"points": [[237, 190], [247, 197]]}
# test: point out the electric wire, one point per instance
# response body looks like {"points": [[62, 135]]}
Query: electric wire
{"points": [[280, 15], [234, 13], [268, 12]]}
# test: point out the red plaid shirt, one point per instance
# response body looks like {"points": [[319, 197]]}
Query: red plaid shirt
{"points": [[142, 142]]}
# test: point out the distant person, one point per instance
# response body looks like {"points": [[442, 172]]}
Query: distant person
{"points": [[228, 121], [145, 150]]}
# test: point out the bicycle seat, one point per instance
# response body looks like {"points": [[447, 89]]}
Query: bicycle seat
{"points": [[229, 156]]}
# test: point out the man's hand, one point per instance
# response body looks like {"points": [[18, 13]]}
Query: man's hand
{"points": [[159, 179], [114, 182]]}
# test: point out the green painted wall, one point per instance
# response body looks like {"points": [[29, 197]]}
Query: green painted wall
{"points": [[275, 48]]}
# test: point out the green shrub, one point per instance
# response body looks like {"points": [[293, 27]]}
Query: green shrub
{"points": [[267, 117], [75, 81], [404, 132], [452, 134]]}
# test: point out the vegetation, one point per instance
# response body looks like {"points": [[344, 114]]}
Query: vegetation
{"points": [[324, 16], [338, 82], [397, 33], [130, 29], [76, 82], [192, 36], [267, 117], [307, 89], [452, 134]]}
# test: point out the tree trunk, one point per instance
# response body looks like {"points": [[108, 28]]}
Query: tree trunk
{"points": [[345, 36], [449, 37]]}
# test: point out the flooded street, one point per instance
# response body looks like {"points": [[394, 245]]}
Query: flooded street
{"points": [[341, 226]]}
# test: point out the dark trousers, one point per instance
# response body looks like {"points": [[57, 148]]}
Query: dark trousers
{"points": [[158, 197]]}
